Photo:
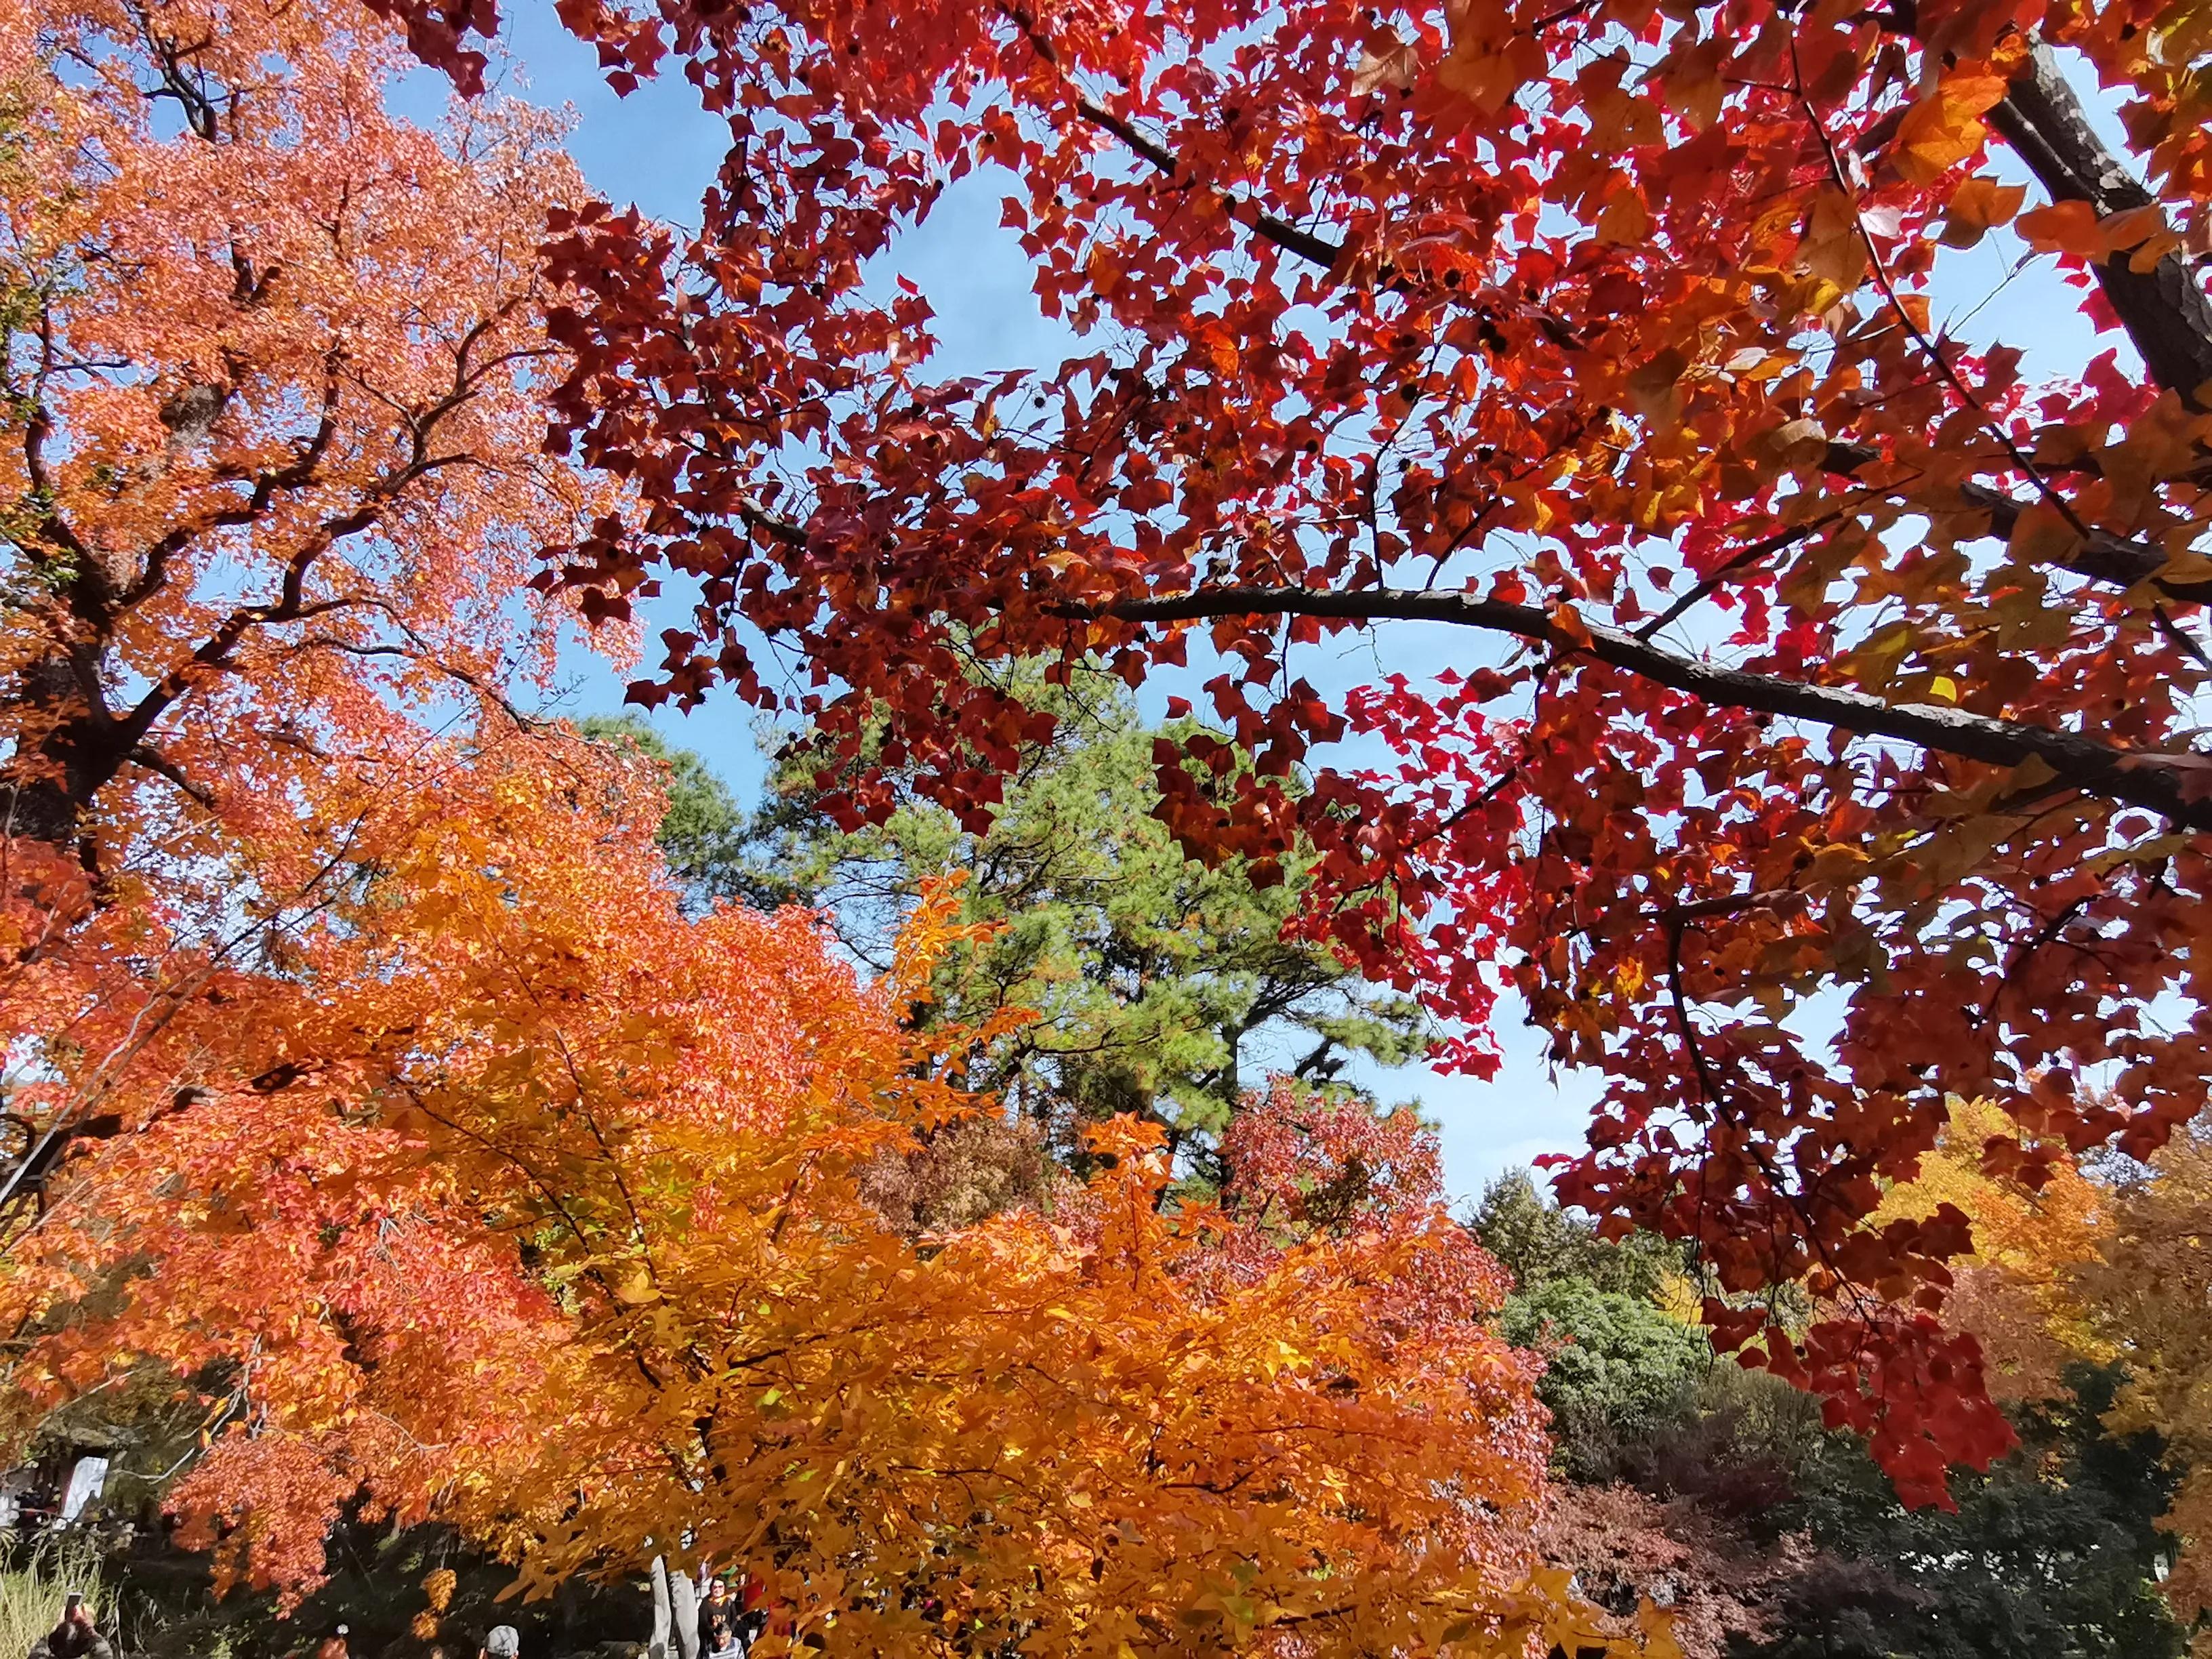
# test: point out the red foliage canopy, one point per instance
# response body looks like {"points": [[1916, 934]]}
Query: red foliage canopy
{"points": [[1820, 656]]}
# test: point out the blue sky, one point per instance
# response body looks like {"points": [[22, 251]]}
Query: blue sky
{"points": [[658, 150]]}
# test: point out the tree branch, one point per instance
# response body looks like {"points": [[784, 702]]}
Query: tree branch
{"points": [[1751, 555], [2115, 560], [1319, 250], [2164, 308], [154, 761], [304, 468], [2151, 781]]}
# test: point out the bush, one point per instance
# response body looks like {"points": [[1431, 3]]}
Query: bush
{"points": [[1617, 1366]]}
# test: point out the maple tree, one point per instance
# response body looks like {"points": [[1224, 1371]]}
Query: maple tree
{"points": [[1812, 648], [271, 477], [563, 1240], [2107, 1267], [274, 438], [2016, 1291], [1719, 1585]]}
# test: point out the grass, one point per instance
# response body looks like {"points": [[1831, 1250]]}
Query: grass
{"points": [[34, 1582]]}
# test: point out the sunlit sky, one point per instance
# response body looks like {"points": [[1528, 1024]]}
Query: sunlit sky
{"points": [[657, 149]]}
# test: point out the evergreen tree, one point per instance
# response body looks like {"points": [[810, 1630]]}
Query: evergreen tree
{"points": [[1162, 986]]}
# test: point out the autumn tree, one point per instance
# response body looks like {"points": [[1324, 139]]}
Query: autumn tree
{"points": [[562, 1242], [2136, 1299], [272, 477], [1721, 1587], [274, 455], [378, 1083], [2105, 1266], [2016, 1291], [1812, 647], [1719, 1491]]}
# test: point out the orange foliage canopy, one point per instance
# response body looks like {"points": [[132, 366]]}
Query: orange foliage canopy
{"points": [[1816, 643], [2016, 1291], [272, 471], [524, 1202], [270, 476], [2140, 1299]]}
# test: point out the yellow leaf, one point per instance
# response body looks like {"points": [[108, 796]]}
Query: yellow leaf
{"points": [[1945, 127], [1838, 862], [1977, 205]]}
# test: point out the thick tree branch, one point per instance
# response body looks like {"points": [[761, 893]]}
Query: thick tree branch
{"points": [[215, 651], [2164, 308], [91, 745], [2114, 561], [2155, 782], [154, 761]]}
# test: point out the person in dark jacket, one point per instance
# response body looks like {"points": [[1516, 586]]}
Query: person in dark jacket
{"points": [[715, 1602], [75, 1637]]}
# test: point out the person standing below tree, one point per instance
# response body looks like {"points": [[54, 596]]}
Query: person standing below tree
{"points": [[715, 1605]]}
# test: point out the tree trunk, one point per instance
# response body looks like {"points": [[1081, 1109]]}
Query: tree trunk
{"points": [[659, 1648], [683, 1609]]}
